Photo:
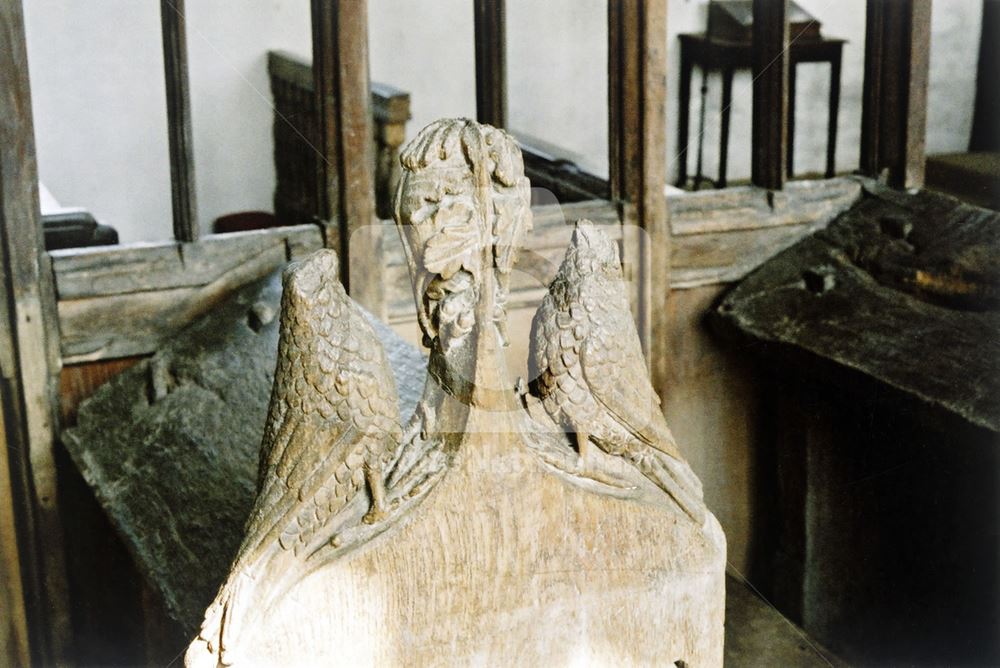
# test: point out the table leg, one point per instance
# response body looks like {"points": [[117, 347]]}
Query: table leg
{"points": [[790, 146], [683, 116], [727, 102], [698, 171], [831, 131]]}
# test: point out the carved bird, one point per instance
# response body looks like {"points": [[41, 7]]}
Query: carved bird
{"points": [[331, 431], [588, 369]]}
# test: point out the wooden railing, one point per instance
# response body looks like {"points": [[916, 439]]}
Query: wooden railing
{"points": [[94, 304]]}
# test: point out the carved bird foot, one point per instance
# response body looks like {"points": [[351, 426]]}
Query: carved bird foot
{"points": [[582, 448], [380, 512]]}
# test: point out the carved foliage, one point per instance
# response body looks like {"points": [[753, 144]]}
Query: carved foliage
{"points": [[463, 209]]}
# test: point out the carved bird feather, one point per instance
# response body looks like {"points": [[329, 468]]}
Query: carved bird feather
{"points": [[588, 369], [331, 431]]}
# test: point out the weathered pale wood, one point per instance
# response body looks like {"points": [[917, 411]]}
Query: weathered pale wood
{"points": [[141, 297], [396, 595], [538, 262], [29, 361], [721, 236], [715, 258], [409, 542], [340, 72], [894, 103], [749, 208], [770, 93], [110, 270], [489, 18], [718, 236], [179, 132]]}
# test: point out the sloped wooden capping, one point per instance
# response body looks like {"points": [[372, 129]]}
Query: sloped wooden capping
{"points": [[881, 293], [117, 301], [543, 523], [880, 336]]}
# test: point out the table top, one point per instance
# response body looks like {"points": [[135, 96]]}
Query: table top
{"points": [[701, 47]]}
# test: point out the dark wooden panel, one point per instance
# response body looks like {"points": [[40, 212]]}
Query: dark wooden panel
{"points": [[297, 153], [79, 381], [894, 102], [564, 178], [491, 61], [175, 65], [901, 291], [718, 236], [15, 647], [770, 93], [108, 619]]}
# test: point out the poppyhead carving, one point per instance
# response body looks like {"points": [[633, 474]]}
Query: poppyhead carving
{"points": [[463, 208]]}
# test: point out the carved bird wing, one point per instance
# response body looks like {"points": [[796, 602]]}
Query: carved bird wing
{"points": [[301, 467], [616, 374], [334, 403]]}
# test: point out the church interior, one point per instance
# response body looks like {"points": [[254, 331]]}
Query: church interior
{"points": [[804, 196]]}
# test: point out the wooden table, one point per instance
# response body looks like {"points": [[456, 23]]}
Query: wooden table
{"points": [[727, 56]]}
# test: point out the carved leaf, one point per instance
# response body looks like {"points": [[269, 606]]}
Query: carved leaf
{"points": [[457, 242], [512, 222]]}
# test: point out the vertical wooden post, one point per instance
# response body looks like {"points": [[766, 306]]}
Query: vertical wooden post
{"points": [[15, 648], [491, 62], [637, 81], [343, 104], [179, 131], [770, 93], [894, 103], [34, 581]]}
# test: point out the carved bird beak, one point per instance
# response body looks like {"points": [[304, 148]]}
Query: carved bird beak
{"points": [[587, 235], [584, 233]]}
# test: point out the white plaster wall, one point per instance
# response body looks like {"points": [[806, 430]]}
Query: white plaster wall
{"points": [[427, 49], [100, 106], [99, 110], [97, 85]]}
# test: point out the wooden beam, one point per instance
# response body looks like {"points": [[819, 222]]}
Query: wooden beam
{"points": [[637, 80], [342, 89], [770, 93], [717, 237], [29, 369], [491, 61], [894, 102], [117, 301], [179, 130]]}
